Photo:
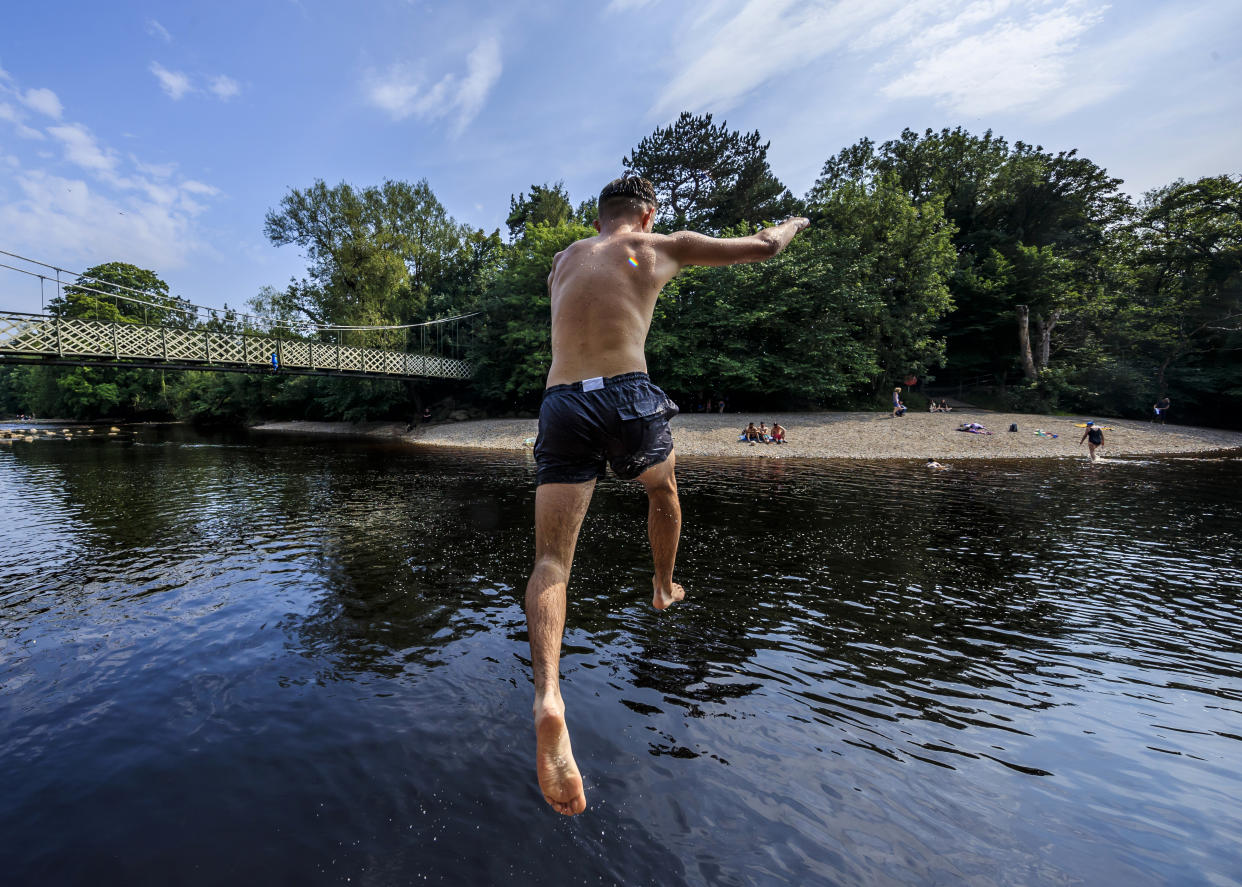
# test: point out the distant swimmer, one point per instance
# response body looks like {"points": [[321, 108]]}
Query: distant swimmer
{"points": [[934, 465], [1094, 436], [600, 408]]}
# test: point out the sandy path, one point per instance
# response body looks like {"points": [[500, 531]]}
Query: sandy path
{"points": [[839, 435]]}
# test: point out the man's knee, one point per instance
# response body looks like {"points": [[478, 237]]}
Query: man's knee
{"points": [[659, 477], [662, 489], [549, 570]]}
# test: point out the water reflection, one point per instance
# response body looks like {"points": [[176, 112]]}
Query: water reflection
{"points": [[1012, 673]]}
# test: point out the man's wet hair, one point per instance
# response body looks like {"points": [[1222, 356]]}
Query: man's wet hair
{"points": [[629, 195]]}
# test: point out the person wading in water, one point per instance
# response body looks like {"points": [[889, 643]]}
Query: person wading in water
{"points": [[601, 408], [1094, 436]]}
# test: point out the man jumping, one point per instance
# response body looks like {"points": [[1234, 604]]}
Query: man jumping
{"points": [[601, 408]]}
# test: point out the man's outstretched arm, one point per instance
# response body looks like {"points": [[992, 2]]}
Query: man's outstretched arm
{"points": [[691, 248]]}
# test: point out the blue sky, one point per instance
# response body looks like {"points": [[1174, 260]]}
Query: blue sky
{"points": [[160, 134]]}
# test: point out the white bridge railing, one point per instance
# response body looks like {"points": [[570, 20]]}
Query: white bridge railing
{"points": [[72, 338]]}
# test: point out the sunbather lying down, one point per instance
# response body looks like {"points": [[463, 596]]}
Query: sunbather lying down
{"points": [[973, 428]]}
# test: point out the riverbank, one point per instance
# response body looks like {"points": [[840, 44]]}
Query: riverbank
{"points": [[836, 435]]}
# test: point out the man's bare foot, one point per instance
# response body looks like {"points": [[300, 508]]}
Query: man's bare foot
{"points": [[666, 597], [554, 760]]}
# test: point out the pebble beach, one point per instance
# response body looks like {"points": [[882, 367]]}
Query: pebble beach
{"points": [[830, 435]]}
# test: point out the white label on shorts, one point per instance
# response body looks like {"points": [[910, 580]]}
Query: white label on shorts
{"points": [[593, 384]]}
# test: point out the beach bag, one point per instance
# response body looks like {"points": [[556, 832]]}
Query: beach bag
{"points": [[1013, 427]]}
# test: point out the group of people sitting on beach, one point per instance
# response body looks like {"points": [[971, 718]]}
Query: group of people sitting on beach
{"points": [[900, 409], [762, 435]]}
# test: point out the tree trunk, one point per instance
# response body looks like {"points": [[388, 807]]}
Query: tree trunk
{"points": [[1160, 383], [1044, 329], [1024, 341]]}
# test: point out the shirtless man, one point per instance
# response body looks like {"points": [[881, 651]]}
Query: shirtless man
{"points": [[600, 407]]}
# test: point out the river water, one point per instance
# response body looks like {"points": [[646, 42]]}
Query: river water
{"points": [[273, 660]]}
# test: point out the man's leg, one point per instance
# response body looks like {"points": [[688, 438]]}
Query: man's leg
{"points": [[663, 529], [559, 509]]}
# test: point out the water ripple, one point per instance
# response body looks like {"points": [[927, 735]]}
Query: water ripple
{"points": [[1005, 673]]}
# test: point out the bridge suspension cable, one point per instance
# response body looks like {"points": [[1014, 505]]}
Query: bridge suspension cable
{"points": [[175, 303]]}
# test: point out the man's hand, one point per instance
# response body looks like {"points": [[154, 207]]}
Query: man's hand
{"points": [[778, 236]]}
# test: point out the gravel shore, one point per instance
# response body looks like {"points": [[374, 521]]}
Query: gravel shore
{"points": [[839, 435]]}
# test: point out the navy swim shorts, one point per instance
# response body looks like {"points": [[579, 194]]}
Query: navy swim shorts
{"points": [[621, 421]]}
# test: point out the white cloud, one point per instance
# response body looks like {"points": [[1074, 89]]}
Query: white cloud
{"points": [[1009, 67], [111, 207], [970, 56], [725, 58], [11, 115], [396, 92], [199, 188], [82, 149], [155, 29], [627, 5], [79, 224], [224, 87], [401, 93], [483, 67], [44, 101], [154, 170], [175, 83]]}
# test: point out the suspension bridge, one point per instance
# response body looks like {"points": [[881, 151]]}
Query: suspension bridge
{"points": [[195, 338]]}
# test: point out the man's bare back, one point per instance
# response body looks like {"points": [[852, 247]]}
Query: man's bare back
{"points": [[599, 407], [604, 290]]}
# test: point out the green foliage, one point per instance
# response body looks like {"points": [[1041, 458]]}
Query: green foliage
{"points": [[1030, 231], [709, 178], [848, 302], [1051, 389], [12, 399], [780, 332], [546, 205], [903, 255], [376, 254], [222, 398], [84, 392], [118, 292], [362, 400], [1185, 313], [937, 253], [513, 345]]}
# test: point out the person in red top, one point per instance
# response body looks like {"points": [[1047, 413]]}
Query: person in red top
{"points": [[778, 433]]}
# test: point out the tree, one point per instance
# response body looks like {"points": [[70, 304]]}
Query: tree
{"points": [[1187, 309], [776, 333], [1031, 235], [114, 292], [708, 177], [118, 292], [546, 205], [513, 347], [904, 256], [375, 253], [466, 274]]}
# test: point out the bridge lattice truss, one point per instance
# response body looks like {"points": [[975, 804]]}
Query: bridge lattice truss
{"points": [[38, 338]]}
